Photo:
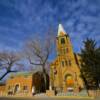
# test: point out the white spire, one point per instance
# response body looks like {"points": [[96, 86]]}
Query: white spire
{"points": [[61, 30]]}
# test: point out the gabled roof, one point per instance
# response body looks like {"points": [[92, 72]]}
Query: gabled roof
{"points": [[61, 30]]}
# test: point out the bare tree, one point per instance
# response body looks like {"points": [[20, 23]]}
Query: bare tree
{"points": [[7, 61], [38, 51]]}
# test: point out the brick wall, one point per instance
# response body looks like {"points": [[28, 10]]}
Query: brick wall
{"points": [[2, 90]]}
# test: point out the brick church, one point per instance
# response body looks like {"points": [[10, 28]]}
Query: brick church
{"points": [[65, 69]]}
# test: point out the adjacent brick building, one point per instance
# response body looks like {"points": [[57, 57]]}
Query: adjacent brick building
{"points": [[19, 84], [24, 84]]}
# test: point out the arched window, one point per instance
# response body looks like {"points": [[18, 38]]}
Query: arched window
{"points": [[62, 41], [70, 63], [69, 80], [17, 87], [62, 63], [66, 62], [67, 50]]}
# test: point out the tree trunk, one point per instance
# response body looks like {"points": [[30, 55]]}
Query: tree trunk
{"points": [[44, 77]]}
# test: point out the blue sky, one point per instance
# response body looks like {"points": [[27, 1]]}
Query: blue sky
{"points": [[20, 19]]}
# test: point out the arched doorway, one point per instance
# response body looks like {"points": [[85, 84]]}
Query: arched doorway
{"points": [[69, 81], [17, 87]]}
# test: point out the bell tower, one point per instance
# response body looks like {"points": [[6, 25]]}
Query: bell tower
{"points": [[64, 47], [62, 41]]}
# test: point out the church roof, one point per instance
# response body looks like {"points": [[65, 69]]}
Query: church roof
{"points": [[2, 83], [23, 73], [61, 30]]}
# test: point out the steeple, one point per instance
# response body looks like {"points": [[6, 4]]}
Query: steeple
{"points": [[61, 30]]}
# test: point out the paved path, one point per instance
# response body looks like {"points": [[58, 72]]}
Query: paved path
{"points": [[45, 98]]}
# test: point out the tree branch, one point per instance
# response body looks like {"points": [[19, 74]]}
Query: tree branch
{"points": [[6, 74], [33, 63]]}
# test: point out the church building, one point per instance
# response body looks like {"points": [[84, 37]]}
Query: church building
{"points": [[64, 77], [65, 69]]}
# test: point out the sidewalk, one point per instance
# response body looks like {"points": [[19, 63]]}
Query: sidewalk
{"points": [[50, 97]]}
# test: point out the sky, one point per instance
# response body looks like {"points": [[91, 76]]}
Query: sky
{"points": [[21, 19]]}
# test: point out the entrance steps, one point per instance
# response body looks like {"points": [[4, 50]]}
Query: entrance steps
{"points": [[81, 93]]}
